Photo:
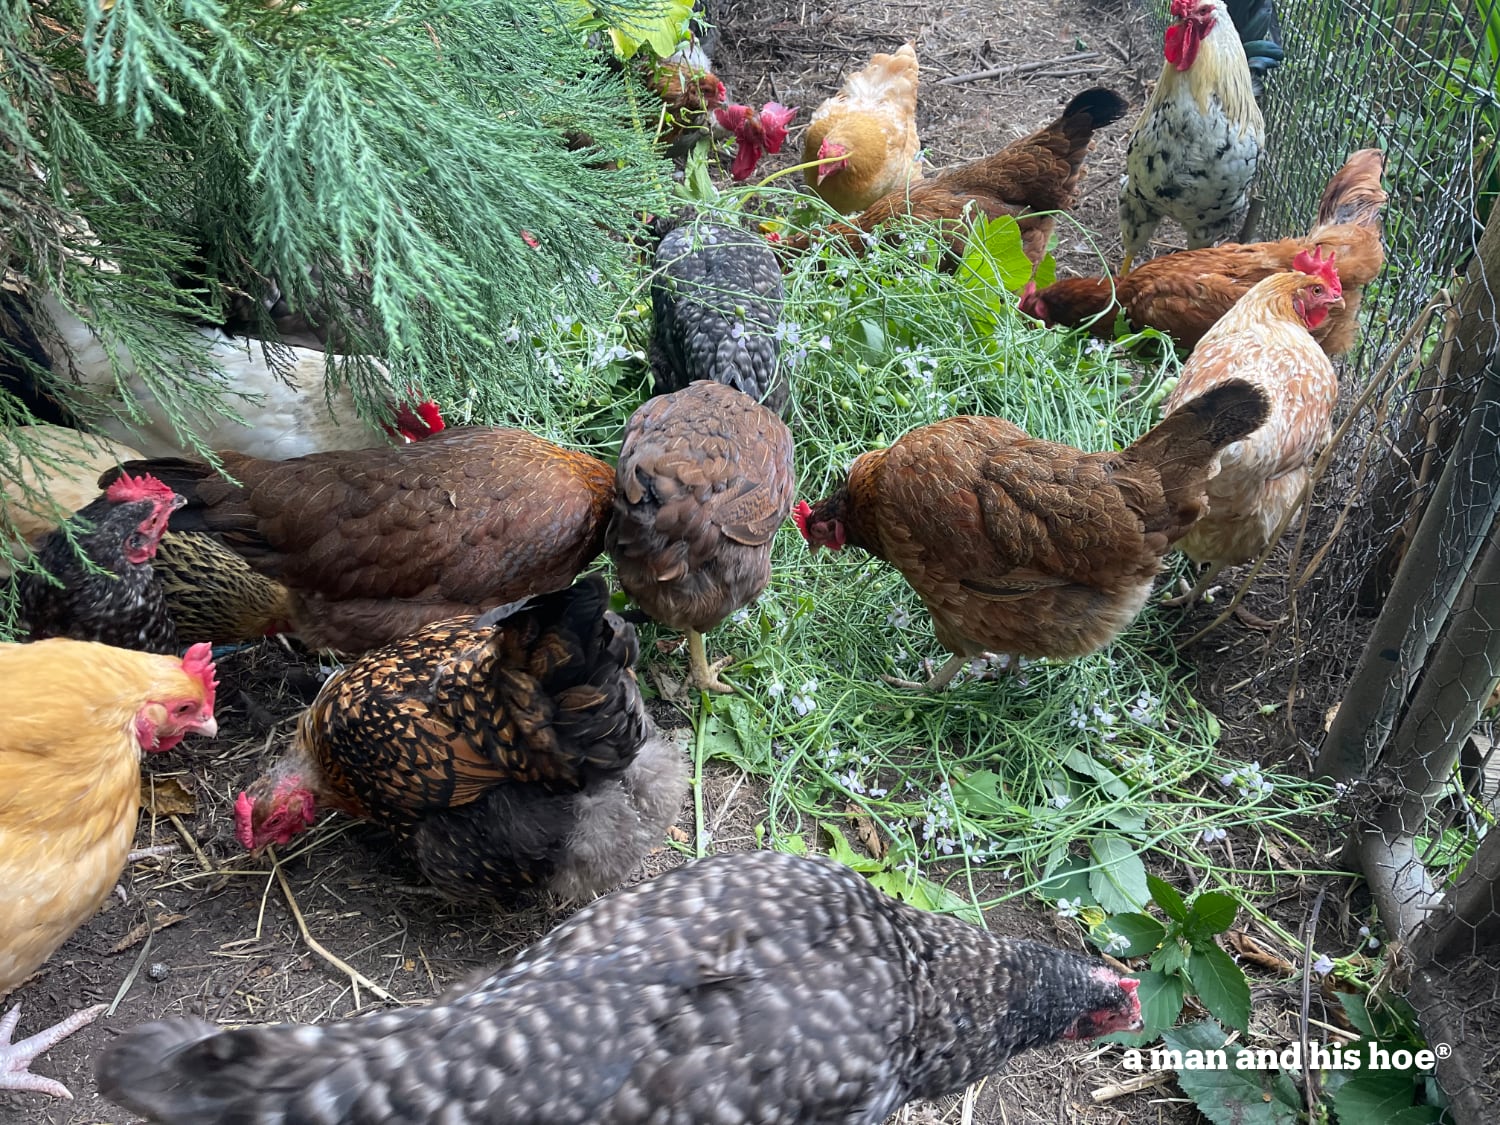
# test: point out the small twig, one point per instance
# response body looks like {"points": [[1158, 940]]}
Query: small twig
{"points": [[187, 838], [1018, 68], [1130, 1086], [356, 977], [1309, 1090]]}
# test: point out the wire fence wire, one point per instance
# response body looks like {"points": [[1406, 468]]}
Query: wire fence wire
{"points": [[1393, 571]]}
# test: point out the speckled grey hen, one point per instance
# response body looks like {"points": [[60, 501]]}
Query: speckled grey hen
{"points": [[716, 300], [508, 753], [704, 480], [753, 987]]}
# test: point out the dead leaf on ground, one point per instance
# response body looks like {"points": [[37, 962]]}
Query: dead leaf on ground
{"points": [[138, 932], [678, 834], [1248, 949], [166, 796], [865, 829]]}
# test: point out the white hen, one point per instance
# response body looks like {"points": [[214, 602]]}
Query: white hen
{"points": [[289, 412]]}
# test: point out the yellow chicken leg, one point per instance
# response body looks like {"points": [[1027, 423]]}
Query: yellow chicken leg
{"points": [[705, 675], [1126, 264], [937, 681], [1182, 601], [15, 1058]]}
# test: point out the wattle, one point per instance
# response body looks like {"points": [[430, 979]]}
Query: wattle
{"points": [[1182, 45]]}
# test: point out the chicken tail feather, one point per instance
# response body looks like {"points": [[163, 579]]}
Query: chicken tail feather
{"points": [[1182, 447], [1354, 194], [1102, 105], [178, 1070]]}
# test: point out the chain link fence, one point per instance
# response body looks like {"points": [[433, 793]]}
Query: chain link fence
{"points": [[1389, 654]]}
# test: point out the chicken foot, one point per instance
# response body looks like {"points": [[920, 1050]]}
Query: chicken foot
{"points": [[15, 1058], [937, 681], [705, 675], [1182, 601]]}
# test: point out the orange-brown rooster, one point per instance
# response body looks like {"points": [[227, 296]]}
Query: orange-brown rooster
{"points": [[868, 132], [508, 753], [1027, 547], [77, 717], [1194, 150], [375, 543], [705, 478], [1184, 294], [1029, 180], [1265, 339]]}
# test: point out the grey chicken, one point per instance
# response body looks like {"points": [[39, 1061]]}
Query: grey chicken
{"points": [[749, 987], [716, 300], [704, 480]]}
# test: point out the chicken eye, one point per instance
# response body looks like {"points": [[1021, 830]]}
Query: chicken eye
{"points": [[182, 708]]}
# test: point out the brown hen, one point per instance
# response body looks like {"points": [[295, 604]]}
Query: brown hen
{"points": [[375, 543], [1184, 294], [705, 478], [1027, 547], [1028, 180], [508, 753]]}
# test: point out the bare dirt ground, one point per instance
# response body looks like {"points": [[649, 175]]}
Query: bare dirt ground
{"points": [[227, 942]]}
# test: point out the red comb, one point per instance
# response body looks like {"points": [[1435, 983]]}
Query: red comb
{"points": [[1180, 8], [198, 662], [733, 117], [244, 807], [799, 517], [127, 488], [1129, 984], [1318, 266], [774, 118]]}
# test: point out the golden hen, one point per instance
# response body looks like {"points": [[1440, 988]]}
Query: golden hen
{"points": [[508, 753], [1029, 180], [78, 716], [1265, 339], [1194, 150], [868, 132], [1026, 547], [705, 478], [375, 543], [1184, 294]]}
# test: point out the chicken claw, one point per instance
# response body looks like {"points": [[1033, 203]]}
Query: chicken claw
{"points": [[937, 681], [16, 1057], [706, 675]]}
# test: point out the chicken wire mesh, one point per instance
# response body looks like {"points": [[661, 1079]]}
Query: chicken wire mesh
{"points": [[1393, 574]]}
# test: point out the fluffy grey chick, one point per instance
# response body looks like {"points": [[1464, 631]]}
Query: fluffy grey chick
{"points": [[749, 987], [716, 300]]}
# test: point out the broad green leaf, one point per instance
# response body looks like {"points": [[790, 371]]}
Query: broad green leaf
{"points": [[840, 850], [1080, 761], [1221, 985], [979, 793], [924, 894], [1229, 1096], [1119, 881], [1357, 1013], [1143, 932], [1385, 1096], [658, 24], [1170, 958], [1165, 896], [1070, 881], [1212, 913], [1161, 1004]]}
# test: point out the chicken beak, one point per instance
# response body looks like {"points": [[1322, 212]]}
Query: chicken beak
{"points": [[208, 727]]}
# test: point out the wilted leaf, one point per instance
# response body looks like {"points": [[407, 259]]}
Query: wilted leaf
{"points": [[166, 796], [865, 829], [1119, 882], [138, 932]]}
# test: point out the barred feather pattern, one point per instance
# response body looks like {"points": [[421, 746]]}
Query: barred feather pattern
{"points": [[754, 986]]}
